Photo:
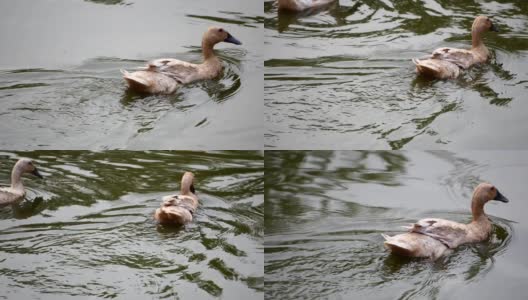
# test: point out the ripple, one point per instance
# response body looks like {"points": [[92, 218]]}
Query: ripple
{"points": [[92, 215], [326, 210], [79, 100], [346, 71]]}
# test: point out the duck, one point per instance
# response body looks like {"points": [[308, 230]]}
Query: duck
{"points": [[300, 5], [179, 209], [166, 75], [16, 191], [433, 238], [447, 63]]}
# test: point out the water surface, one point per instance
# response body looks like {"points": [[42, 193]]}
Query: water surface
{"points": [[87, 229], [61, 86], [343, 78], [325, 212]]}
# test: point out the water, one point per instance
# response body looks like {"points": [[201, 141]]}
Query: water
{"points": [[325, 211], [61, 88], [343, 78], [87, 229]]}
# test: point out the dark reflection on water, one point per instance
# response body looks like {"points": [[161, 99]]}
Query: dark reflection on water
{"points": [[87, 229], [325, 211], [342, 78]]}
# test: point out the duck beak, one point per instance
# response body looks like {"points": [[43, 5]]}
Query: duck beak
{"points": [[36, 173], [500, 197], [231, 39], [494, 28]]}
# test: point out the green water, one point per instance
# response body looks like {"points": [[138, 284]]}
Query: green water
{"points": [[325, 212], [61, 86], [343, 78], [87, 229]]}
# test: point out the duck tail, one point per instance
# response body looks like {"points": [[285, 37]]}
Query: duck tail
{"points": [[409, 227], [173, 216], [397, 247], [136, 82], [426, 69]]}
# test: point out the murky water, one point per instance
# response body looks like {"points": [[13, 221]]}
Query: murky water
{"points": [[325, 211], [61, 86], [343, 78], [87, 229]]}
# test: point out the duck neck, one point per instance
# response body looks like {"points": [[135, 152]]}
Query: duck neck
{"points": [[186, 184], [477, 209], [207, 50], [476, 39], [16, 179]]}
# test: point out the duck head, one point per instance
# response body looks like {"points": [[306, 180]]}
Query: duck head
{"points": [[25, 165], [483, 24], [483, 193], [187, 184], [215, 35]]}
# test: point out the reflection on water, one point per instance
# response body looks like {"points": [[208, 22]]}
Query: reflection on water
{"points": [[325, 211], [87, 229], [70, 95], [343, 77]]}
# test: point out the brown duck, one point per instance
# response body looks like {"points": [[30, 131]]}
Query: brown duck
{"points": [[446, 63], [436, 237], [166, 75], [179, 209], [16, 191]]}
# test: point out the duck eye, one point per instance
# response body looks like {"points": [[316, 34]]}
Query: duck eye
{"points": [[220, 30]]}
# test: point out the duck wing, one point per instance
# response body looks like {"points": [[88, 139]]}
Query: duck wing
{"points": [[437, 68], [151, 82], [460, 57], [170, 199], [185, 201], [181, 71], [448, 232], [7, 198], [415, 245]]}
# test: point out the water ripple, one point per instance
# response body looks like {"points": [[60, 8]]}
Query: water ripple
{"points": [[342, 78], [92, 215]]}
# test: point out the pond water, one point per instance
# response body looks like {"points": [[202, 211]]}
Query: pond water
{"points": [[343, 78], [325, 212], [87, 228], [61, 86]]}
